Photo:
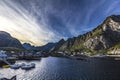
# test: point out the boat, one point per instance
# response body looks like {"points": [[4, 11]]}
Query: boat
{"points": [[33, 65], [5, 66], [15, 66], [23, 66], [28, 66]]}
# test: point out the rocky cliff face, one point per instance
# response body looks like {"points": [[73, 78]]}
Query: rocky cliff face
{"points": [[7, 41], [104, 37]]}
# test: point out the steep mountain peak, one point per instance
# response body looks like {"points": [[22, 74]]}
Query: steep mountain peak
{"points": [[62, 40], [112, 23], [115, 18]]}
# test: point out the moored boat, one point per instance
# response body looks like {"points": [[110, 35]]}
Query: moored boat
{"points": [[15, 66], [28, 66]]}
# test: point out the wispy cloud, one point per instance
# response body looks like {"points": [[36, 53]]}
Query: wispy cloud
{"points": [[20, 24], [41, 21]]}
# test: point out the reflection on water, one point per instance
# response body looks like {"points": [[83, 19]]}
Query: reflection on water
{"points": [[53, 68]]}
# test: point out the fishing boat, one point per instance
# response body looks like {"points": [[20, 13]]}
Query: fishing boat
{"points": [[15, 66], [28, 66], [33, 65]]}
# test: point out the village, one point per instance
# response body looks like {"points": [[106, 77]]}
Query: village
{"points": [[8, 58]]}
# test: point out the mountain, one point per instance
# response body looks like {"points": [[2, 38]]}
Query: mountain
{"points": [[48, 47], [45, 48], [57, 45], [28, 46], [105, 38], [6, 40]]}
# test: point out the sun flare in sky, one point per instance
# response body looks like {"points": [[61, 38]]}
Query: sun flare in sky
{"points": [[21, 25]]}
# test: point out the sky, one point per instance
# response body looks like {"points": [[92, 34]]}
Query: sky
{"points": [[41, 21]]}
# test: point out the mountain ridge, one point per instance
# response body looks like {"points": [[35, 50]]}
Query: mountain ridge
{"points": [[102, 38]]}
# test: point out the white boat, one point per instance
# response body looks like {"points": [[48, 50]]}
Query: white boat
{"points": [[23, 64], [33, 65], [28, 66], [15, 66], [3, 55]]}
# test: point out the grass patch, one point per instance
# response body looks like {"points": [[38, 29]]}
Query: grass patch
{"points": [[97, 32]]}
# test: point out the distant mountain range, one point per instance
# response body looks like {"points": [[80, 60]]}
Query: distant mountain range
{"points": [[45, 48], [7, 41], [50, 47]]}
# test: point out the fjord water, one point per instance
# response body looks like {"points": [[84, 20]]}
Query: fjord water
{"points": [[54, 68]]}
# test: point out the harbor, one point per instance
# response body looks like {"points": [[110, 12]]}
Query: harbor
{"points": [[56, 68], [33, 66]]}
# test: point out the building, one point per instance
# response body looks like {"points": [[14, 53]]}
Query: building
{"points": [[3, 55]]}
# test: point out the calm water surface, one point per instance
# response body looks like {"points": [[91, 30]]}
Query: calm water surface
{"points": [[53, 68]]}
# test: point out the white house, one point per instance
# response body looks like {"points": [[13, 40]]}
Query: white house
{"points": [[3, 55]]}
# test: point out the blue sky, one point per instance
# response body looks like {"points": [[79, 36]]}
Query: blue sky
{"points": [[41, 21]]}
